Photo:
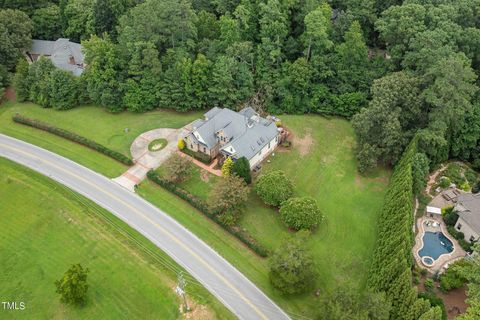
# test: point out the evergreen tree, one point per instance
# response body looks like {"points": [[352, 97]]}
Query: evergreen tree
{"points": [[105, 72], [63, 90], [241, 168]]}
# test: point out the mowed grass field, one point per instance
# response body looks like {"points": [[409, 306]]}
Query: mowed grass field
{"points": [[46, 228], [116, 131], [322, 165]]}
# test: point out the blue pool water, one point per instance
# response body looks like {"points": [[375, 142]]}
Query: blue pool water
{"points": [[435, 244]]}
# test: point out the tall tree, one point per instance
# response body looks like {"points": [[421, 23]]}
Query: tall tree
{"points": [[37, 79], [399, 24], [291, 266], [63, 90], [451, 87], [231, 83], [142, 88], [106, 14], [394, 114], [105, 72], [273, 33], [78, 15], [352, 65], [46, 23], [15, 36], [318, 28], [201, 75], [293, 87], [20, 81], [166, 23], [177, 89]]}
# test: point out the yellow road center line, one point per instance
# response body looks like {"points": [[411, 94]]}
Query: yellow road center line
{"points": [[175, 239]]}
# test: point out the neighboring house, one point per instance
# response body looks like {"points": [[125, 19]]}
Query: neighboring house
{"points": [[234, 134], [468, 210], [65, 55]]}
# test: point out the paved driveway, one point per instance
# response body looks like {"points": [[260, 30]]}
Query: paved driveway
{"points": [[145, 159], [225, 282]]}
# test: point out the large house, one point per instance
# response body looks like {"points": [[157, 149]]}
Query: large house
{"points": [[227, 133], [65, 55], [468, 210]]}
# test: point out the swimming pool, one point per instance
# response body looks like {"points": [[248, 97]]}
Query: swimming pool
{"points": [[434, 245]]}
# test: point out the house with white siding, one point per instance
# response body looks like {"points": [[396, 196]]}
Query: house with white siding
{"points": [[226, 133]]}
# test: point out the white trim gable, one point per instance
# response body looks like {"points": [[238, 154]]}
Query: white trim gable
{"points": [[198, 137]]}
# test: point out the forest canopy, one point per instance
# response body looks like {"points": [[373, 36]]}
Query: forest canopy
{"points": [[396, 68]]}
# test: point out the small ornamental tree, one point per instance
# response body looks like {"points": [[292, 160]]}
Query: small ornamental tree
{"points": [[291, 266], [301, 213], [274, 188], [241, 168], [73, 285], [181, 144], [228, 197], [227, 167], [177, 168]]}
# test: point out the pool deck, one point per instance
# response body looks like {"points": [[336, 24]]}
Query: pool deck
{"points": [[445, 259]]}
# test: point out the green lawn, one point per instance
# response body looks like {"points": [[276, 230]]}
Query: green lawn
{"points": [[46, 228], [321, 164], [199, 182], [93, 123]]}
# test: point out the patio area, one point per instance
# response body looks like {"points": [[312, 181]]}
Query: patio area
{"points": [[435, 224]]}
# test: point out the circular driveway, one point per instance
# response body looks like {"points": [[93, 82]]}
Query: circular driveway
{"points": [[153, 159], [146, 160]]}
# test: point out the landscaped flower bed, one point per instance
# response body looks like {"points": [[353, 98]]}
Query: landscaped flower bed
{"points": [[157, 145]]}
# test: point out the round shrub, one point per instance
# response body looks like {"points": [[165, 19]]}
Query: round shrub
{"points": [[445, 182], [301, 213], [274, 188], [181, 144]]}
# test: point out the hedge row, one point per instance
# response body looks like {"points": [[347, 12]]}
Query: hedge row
{"points": [[203, 207], [73, 137], [392, 261], [202, 157]]}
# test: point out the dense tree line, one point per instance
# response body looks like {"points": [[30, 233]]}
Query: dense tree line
{"points": [[392, 259], [434, 48], [291, 56], [50, 87], [396, 67]]}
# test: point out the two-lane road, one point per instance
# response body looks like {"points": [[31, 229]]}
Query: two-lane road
{"points": [[224, 281]]}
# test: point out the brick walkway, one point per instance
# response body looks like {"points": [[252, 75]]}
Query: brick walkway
{"points": [[209, 168]]}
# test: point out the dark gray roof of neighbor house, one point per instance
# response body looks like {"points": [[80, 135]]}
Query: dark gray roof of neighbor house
{"points": [[59, 52], [468, 208], [254, 139]]}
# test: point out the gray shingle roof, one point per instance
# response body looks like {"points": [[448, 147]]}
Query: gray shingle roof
{"points": [[247, 132], [60, 52], [254, 139], [212, 112], [233, 124], [468, 208]]}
